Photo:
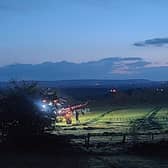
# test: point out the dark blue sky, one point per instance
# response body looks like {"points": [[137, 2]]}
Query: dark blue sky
{"points": [[34, 31]]}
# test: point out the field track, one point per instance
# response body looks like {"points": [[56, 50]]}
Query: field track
{"points": [[101, 115], [148, 119], [151, 114]]}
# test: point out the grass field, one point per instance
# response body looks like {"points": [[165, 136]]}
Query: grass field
{"points": [[119, 119], [126, 114], [106, 120], [104, 154]]}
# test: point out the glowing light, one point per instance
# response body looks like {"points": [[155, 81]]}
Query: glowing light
{"points": [[44, 101], [44, 106], [113, 90], [50, 104], [55, 101]]}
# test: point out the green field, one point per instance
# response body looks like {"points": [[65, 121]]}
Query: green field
{"points": [[111, 116], [107, 128], [120, 119]]}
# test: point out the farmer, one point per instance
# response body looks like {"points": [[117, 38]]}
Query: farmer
{"points": [[77, 116], [68, 116]]}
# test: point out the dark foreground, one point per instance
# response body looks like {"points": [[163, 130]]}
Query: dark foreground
{"points": [[50, 150]]}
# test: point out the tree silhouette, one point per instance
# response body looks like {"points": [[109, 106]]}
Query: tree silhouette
{"points": [[19, 115]]}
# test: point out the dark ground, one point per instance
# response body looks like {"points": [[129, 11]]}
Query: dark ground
{"points": [[54, 151], [39, 151]]}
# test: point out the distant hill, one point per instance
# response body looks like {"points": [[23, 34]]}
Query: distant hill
{"points": [[125, 84], [98, 83], [110, 68]]}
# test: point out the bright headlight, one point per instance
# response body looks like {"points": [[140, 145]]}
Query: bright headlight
{"points": [[50, 104], [44, 106]]}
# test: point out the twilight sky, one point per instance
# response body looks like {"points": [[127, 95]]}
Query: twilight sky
{"points": [[34, 31]]}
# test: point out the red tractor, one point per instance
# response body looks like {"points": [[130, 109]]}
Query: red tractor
{"points": [[67, 112]]}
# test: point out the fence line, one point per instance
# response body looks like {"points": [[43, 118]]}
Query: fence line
{"points": [[124, 137]]}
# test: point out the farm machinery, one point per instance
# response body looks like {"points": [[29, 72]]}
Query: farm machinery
{"points": [[68, 112], [56, 109]]}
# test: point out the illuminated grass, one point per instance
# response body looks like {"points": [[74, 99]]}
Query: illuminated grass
{"points": [[163, 113], [125, 115], [143, 119], [83, 118], [120, 117]]}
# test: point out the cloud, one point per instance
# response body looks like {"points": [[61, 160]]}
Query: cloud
{"points": [[129, 65], [132, 59], [156, 64], [135, 66], [124, 69], [158, 42]]}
